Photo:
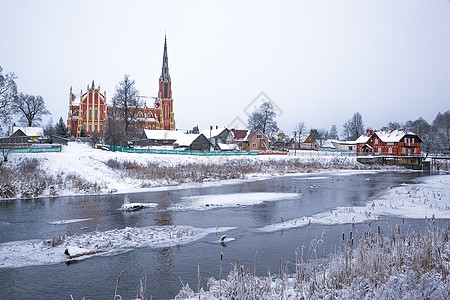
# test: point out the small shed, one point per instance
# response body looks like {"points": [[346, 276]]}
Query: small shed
{"points": [[162, 137], [32, 133]]}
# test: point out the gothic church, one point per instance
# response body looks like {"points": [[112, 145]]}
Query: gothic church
{"points": [[88, 112]]}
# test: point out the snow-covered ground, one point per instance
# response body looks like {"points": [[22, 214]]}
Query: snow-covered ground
{"points": [[90, 164], [37, 252], [428, 199]]}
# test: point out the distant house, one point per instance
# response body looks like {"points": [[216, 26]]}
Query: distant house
{"points": [[218, 135], [344, 145], [162, 137], [393, 142], [197, 142], [249, 140], [32, 133], [305, 142]]}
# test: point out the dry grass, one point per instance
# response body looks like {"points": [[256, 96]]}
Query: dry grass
{"points": [[398, 266], [232, 169], [28, 180]]}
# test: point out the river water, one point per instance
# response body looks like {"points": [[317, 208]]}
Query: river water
{"points": [[95, 278]]}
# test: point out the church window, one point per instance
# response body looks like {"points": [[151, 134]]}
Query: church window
{"points": [[101, 127], [90, 113], [95, 114], [165, 89]]}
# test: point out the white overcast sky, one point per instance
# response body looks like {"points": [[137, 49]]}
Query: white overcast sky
{"points": [[318, 61]]}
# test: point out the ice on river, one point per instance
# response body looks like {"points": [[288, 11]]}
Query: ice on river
{"points": [[37, 252], [428, 199], [206, 202]]}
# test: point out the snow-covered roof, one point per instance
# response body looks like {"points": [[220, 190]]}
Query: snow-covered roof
{"points": [[350, 143], [153, 134], [390, 136], [228, 147], [328, 144], [30, 131], [241, 135], [214, 132], [185, 140], [363, 139]]}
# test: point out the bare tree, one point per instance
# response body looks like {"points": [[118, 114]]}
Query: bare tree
{"points": [[126, 100], [354, 127], [393, 126], [30, 109], [8, 94], [334, 133], [299, 129], [264, 119]]}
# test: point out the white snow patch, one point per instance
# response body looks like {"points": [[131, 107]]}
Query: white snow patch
{"points": [[62, 222], [206, 202], [37, 252], [428, 199]]}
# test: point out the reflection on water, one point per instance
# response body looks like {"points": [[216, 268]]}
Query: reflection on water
{"points": [[95, 277]]}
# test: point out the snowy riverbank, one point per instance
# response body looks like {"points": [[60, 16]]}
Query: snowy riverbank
{"points": [[80, 169]]}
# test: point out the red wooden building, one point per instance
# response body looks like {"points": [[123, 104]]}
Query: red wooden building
{"points": [[388, 143], [88, 111]]}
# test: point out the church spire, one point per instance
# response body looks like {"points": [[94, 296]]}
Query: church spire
{"points": [[165, 64]]}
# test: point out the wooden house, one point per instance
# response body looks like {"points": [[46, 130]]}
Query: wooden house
{"points": [[388, 143], [218, 135], [162, 137], [34, 134], [250, 140], [304, 142], [197, 142]]}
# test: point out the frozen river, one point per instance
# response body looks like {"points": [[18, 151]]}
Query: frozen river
{"points": [[244, 211]]}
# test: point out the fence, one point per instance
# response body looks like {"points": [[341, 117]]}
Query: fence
{"points": [[37, 149], [181, 152]]}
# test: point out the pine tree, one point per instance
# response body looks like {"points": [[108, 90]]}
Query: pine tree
{"points": [[61, 128]]}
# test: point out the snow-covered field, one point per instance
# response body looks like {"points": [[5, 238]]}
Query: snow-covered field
{"points": [[91, 165]]}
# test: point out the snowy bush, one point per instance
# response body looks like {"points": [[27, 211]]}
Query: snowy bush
{"points": [[26, 179]]}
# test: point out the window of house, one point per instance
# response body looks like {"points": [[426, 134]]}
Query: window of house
{"points": [[259, 136], [240, 145], [376, 141], [390, 150], [254, 145]]}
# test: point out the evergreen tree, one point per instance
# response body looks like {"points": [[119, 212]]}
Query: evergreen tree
{"points": [[61, 128]]}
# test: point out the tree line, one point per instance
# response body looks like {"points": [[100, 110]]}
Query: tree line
{"points": [[435, 136]]}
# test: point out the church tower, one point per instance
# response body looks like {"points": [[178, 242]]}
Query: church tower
{"points": [[167, 121]]}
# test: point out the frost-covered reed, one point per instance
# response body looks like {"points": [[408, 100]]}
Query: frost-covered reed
{"points": [[400, 265]]}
